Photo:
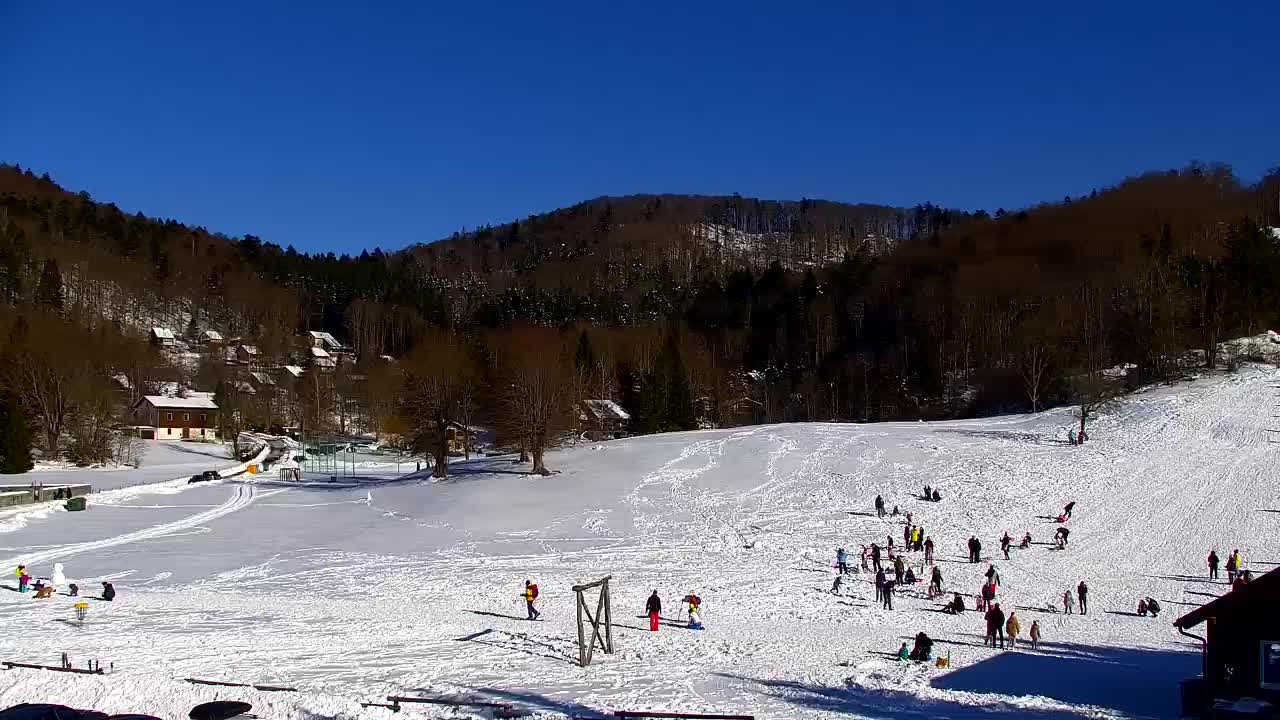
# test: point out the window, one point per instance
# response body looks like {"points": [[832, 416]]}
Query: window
{"points": [[202, 417], [186, 417], [1269, 677], [168, 416]]}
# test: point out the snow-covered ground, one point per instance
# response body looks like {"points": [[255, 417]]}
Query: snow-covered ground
{"points": [[411, 587], [161, 460]]}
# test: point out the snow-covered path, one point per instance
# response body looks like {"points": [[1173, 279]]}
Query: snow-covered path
{"points": [[354, 594]]}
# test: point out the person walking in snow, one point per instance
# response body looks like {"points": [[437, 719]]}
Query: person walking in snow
{"points": [[530, 594], [1034, 633], [898, 569], [995, 626], [906, 536], [1082, 591], [887, 594], [1068, 603], [879, 506], [1011, 628], [865, 555], [1026, 541], [935, 582], [842, 565], [1066, 510], [1233, 565], [875, 556], [975, 548], [1005, 543], [654, 608], [993, 577], [1061, 537], [880, 579], [888, 541], [1213, 564], [928, 551]]}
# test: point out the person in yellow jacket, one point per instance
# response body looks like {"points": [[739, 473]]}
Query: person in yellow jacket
{"points": [[20, 570], [1011, 628], [530, 594]]}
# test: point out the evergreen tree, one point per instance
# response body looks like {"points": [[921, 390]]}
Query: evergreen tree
{"points": [[585, 357], [680, 412], [49, 289], [15, 436]]}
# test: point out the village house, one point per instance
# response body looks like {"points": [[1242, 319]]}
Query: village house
{"points": [[211, 337], [603, 419], [1240, 646], [247, 355], [322, 359], [163, 337], [160, 417]]}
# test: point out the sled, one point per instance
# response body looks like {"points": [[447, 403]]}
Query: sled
{"points": [[219, 710]]}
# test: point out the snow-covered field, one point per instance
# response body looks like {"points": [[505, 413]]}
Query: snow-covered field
{"points": [[411, 587]]}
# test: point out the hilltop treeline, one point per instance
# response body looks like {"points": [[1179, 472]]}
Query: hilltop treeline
{"points": [[768, 311]]}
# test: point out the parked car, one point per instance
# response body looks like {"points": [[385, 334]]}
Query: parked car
{"points": [[205, 476]]}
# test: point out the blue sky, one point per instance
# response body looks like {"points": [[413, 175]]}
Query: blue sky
{"points": [[340, 126]]}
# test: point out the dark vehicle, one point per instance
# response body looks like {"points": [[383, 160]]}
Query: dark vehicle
{"points": [[205, 476]]}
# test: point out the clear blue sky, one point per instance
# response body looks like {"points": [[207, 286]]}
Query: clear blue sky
{"points": [[339, 126]]}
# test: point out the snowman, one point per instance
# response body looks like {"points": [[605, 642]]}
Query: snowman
{"points": [[58, 579]]}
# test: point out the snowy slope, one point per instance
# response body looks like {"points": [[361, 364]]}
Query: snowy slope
{"points": [[412, 587]]}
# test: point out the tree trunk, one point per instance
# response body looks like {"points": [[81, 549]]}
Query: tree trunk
{"points": [[1084, 414], [539, 467]]}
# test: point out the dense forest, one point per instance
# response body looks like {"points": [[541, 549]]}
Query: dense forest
{"points": [[686, 310]]}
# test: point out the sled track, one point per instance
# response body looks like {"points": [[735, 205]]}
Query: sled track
{"points": [[243, 496]]}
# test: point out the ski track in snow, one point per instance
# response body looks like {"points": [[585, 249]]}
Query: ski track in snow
{"points": [[350, 599]]}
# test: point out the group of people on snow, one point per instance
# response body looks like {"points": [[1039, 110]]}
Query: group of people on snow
{"points": [[45, 588]]}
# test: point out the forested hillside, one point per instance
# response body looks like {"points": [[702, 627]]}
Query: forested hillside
{"points": [[684, 309]]}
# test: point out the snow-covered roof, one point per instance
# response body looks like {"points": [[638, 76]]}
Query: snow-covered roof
{"points": [[606, 410], [244, 387], [262, 378], [317, 352], [195, 401], [326, 362], [326, 338], [293, 370], [249, 349], [388, 358], [212, 335], [122, 380], [162, 333]]}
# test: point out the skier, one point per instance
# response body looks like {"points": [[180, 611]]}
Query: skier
{"points": [[654, 608], [875, 556], [1066, 510], [879, 506], [995, 626], [1233, 565], [923, 649], [1012, 627], [1082, 590], [1005, 543], [842, 565], [1061, 537], [935, 582], [530, 594], [1068, 603], [880, 580], [108, 592], [1035, 634], [1213, 564], [928, 550], [1026, 541], [887, 594], [898, 568]]}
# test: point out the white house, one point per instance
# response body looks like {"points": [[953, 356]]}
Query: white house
{"points": [[324, 340], [160, 417], [162, 336]]}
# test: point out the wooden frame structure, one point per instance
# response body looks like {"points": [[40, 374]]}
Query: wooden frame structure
{"points": [[603, 616]]}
